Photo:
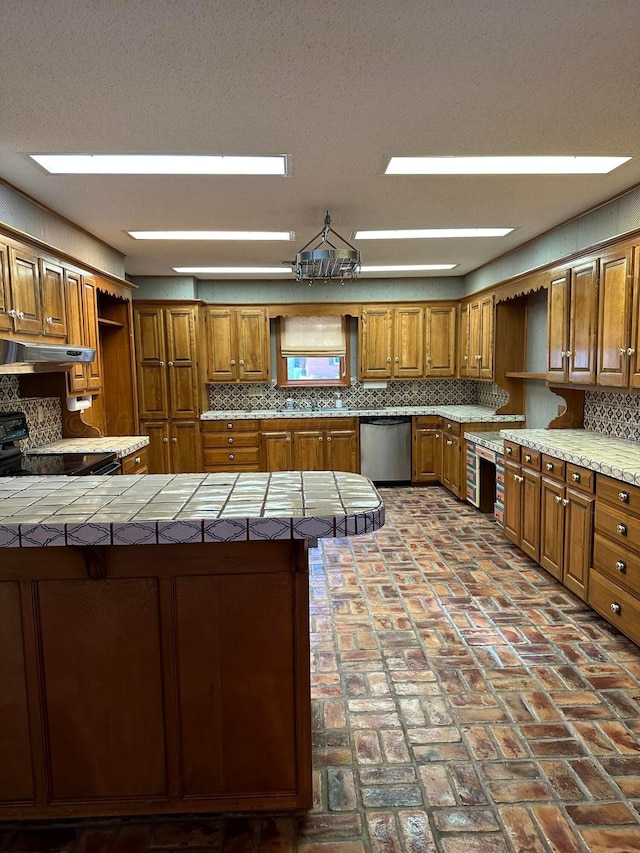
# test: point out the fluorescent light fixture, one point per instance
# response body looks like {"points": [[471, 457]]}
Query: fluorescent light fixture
{"points": [[428, 233], [212, 235], [503, 165], [161, 164], [280, 271], [408, 267]]}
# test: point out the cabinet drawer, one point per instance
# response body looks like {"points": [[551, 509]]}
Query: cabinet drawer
{"points": [[233, 468], [531, 458], [225, 439], [135, 463], [580, 478], [428, 422], [552, 467], [618, 525], [239, 455], [451, 427], [226, 426], [617, 606], [618, 493], [620, 564], [512, 450]]}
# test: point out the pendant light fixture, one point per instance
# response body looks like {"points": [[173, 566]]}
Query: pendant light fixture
{"points": [[326, 261]]}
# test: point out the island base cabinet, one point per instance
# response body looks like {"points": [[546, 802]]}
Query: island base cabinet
{"points": [[154, 679]]}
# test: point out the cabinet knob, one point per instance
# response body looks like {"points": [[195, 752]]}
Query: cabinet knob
{"points": [[621, 566], [616, 608], [509, 451], [288, 439], [165, 440], [328, 438], [568, 353], [478, 357], [466, 358], [389, 359], [161, 363], [518, 478], [428, 358], [233, 361], [631, 351], [623, 351], [174, 440], [229, 426], [230, 440], [549, 466], [397, 358], [449, 442], [558, 498], [232, 456], [319, 438], [576, 477], [622, 529], [624, 497], [136, 460], [13, 313], [241, 361], [437, 435], [49, 321], [563, 353], [527, 457], [170, 363], [565, 502]]}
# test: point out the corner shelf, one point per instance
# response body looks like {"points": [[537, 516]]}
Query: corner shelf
{"points": [[103, 321]]}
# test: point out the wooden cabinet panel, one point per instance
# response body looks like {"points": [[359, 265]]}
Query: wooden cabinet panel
{"points": [[440, 340], [136, 463], [77, 373], [512, 525], [53, 299], [614, 319], [583, 324], [341, 450], [221, 344], [558, 326], [151, 359], [25, 291], [16, 779], [530, 528], [634, 355], [90, 308], [551, 526], [158, 449], [253, 345], [6, 322], [616, 605], [276, 451], [237, 629], [478, 317], [463, 341], [578, 538], [238, 347], [427, 451], [451, 464], [186, 453], [308, 450], [376, 343], [408, 342], [182, 366], [84, 627], [486, 338]]}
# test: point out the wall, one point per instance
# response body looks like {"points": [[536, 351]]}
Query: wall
{"points": [[44, 418]]}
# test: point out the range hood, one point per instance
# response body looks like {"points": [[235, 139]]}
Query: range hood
{"points": [[28, 357]]}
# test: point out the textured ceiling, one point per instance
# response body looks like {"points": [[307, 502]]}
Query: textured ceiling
{"points": [[340, 86]]}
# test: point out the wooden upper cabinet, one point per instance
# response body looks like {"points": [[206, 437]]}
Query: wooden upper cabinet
{"points": [[558, 326], [238, 344], [77, 373], [477, 322], [463, 341], [634, 359], [25, 292], [151, 359], [440, 340], [6, 322], [180, 327], [614, 319], [408, 342], [376, 342], [91, 334], [53, 299], [583, 324]]}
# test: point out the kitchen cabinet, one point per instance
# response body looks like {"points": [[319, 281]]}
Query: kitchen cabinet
{"points": [[174, 446], [522, 499], [616, 356], [231, 446], [24, 289], [238, 348], [52, 285], [329, 444], [440, 341], [82, 330], [476, 334], [572, 324], [392, 342], [427, 449], [136, 462], [452, 458]]}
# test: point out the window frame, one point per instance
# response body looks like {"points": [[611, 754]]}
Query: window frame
{"points": [[282, 380]]}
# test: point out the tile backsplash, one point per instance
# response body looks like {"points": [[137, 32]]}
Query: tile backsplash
{"points": [[44, 418], [612, 413]]}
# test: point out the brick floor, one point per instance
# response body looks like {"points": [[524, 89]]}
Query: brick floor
{"points": [[463, 702]]}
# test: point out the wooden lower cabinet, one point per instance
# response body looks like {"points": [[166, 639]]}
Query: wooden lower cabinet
{"points": [[136, 463], [427, 449], [174, 446], [452, 464], [323, 445], [174, 678], [231, 446]]}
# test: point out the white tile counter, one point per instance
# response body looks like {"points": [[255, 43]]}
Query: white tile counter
{"points": [[459, 414], [121, 445], [185, 508], [489, 440], [615, 457]]}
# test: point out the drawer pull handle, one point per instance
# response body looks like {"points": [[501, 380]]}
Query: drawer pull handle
{"points": [[616, 608], [518, 478], [232, 456], [575, 477], [229, 426], [622, 529], [621, 566], [527, 457], [509, 451], [549, 466], [624, 497], [231, 439], [136, 460]]}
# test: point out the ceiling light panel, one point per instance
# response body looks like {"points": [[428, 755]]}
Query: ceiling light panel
{"points": [[212, 235], [407, 267], [546, 165], [161, 164], [431, 233], [276, 271]]}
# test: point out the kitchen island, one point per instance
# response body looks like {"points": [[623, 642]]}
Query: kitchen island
{"points": [[154, 639]]}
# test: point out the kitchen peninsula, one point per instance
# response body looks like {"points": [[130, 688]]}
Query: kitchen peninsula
{"points": [[154, 639]]}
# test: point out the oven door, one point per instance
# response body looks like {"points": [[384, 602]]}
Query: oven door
{"points": [[113, 467]]}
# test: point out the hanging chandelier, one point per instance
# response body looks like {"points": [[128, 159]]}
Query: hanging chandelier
{"points": [[326, 261]]}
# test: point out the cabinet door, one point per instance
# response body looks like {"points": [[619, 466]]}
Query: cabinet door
{"points": [[6, 323], [408, 342], [463, 342], [158, 449], [451, 474], [634, 360], [151, 359], [558, 326], [253, 345], [376, 330], [578, 537], [552, 526], [614, 319], [92, 338], [53, 301], [485, 368], [341, 450], [308, 450], [427, 455], [530, 526], [77, 373], [276, 451], [583, 324], [512, 502], [220, 329], [25, 290], [186, 453], [100, 639], [440, 339], [475, 356], [182, 365]]}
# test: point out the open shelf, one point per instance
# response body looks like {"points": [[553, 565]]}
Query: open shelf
{"points": [[516, 374], [102, 321]]}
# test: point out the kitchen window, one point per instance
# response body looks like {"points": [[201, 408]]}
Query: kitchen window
{"points": [[312, 351]]}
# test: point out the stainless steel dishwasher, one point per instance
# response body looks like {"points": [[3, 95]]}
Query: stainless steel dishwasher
{"points": [[385, 449]]}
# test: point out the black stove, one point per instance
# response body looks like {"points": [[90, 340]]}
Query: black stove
{"points": [[14, 463]]}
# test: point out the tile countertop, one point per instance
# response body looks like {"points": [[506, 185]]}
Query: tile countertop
{"points": [[121, 445], [170, 508], [460, 414], [615, 457], [490, 440]]}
